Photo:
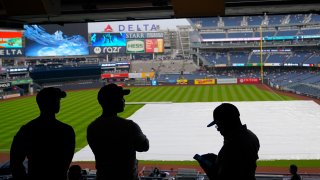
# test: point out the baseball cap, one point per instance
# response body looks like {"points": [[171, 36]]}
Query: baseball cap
{"points": [[225, 111], [111, 90], [50, 93]]}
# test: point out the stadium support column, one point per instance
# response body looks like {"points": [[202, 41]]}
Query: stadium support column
{"points": [[198, 59], [261, 60]]}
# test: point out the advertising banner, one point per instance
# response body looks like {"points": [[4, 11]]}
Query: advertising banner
{"points": [[120, 75], [108, 39], [135, 46], [134, 75], [147, 75], [21, 81], [56, 40], [204, 81], [248, 80], [12, 52], [10, 39], [17, 70], [107, 50], [154, 46], [138, 26], [182, 81], [144, 35], [5, 85], [227, 81]]}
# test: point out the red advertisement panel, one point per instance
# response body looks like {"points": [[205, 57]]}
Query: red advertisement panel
{"points": [[121, 75], [248, 80], [154, 45]]}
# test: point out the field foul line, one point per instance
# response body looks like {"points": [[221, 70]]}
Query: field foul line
{"points": [[270, 89]]}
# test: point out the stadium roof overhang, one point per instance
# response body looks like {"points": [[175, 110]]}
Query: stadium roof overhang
{"points": [[14, 13]]}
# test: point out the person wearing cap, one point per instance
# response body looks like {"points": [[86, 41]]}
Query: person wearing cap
{"points": [[47, 143], [239, 153], [115, 140]]}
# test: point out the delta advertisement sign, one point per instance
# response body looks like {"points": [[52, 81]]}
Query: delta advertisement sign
{"points": [[137, 26], [11, 44], [248, 81]]}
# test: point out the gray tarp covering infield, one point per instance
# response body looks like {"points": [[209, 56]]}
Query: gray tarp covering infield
{"points": [[177, 131]]}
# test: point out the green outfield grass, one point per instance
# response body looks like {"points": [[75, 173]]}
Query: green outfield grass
{"points": [[81, 107]]}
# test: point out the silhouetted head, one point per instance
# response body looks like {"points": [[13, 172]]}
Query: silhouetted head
{"points": [[293, 169], [74, 172], [48, 99], [226, 117], [111, 99]]}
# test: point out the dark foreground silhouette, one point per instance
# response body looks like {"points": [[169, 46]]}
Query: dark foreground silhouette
{"points": [[237, 158], [115, 140], [43, 140]]}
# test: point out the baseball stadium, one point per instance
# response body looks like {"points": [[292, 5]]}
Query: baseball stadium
{"points": [[178, 70]]}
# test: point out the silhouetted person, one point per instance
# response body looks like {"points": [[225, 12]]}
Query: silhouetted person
{"points": [[115, 140], [294, 172], [237, 158], [75, 173], [155, 173], [47, 143]]}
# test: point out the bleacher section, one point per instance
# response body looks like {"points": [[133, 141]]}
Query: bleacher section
{"points": [[232, 21], [306, 89], [273, 20], [239, 35], [239, 57], [287, 33], [276, 58], [213, 35], [314, 59], [298, 57], [255, 20]]}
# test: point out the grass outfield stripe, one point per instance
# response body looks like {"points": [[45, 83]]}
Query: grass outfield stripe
{"points": [[249, 94], [149, 93], [180, 97], [196, 94], [165, 93], [267, 95], [141, 95], [224, 95], [257, 95], [219, 93], [135, 92], [240, 93], [228, 93], [205, 91], [190, 93], [210, 93], [214, 92]]}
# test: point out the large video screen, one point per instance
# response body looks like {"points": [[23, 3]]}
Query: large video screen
{"points": [[10, 39], [56, 40], [108, 39]]}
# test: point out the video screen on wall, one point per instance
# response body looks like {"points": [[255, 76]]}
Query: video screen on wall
{"points": [[108, 39], [56, 40], [10, 39]]}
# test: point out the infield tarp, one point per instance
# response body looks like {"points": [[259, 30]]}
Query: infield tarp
{"points": [[177, 131]]}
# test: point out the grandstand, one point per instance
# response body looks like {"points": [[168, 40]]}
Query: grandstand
{"points": [[217, 50]]}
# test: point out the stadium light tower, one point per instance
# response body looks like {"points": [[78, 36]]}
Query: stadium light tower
{"points": [[261, 60]]}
